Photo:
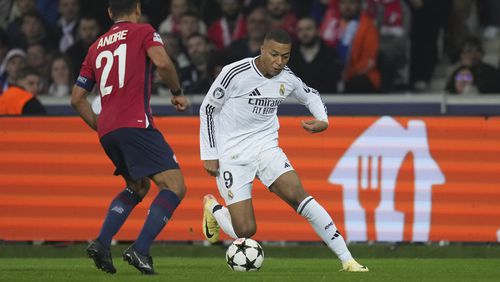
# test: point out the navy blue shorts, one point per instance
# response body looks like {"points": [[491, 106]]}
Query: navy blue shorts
{"points": [[138, 152]]}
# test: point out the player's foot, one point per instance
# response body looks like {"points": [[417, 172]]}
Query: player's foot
{"points": [[353, 266], [210, 227], [143, 263], [101, 256]]}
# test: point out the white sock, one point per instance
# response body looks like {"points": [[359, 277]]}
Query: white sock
{"points": [[324, 227], [223, 217]]}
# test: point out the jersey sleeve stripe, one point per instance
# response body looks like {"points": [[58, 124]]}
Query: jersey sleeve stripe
{"points": [[210, 124], [147, 91], [235, 69], [226, 84]]}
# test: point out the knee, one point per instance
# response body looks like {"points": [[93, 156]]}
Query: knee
{"points": [[141, 188], [180, 191], [178, 188], [246, 231], [297, 198]]}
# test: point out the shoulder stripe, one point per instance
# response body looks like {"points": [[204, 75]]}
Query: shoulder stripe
{"points": [[234, 69], [226, 84], [287, 69], [255, 68]]}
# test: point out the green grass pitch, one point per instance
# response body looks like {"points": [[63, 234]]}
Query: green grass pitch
{"points": [[183, 262]]}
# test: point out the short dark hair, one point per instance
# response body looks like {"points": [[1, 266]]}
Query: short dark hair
{"points": [[191, 14], [197, 34], [122, 7], [278, 35], [25, 72], [472, 42]]}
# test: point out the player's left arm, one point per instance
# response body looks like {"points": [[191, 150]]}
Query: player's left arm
{"points": [[312, 100], [83, 107], [156, 52], [167, 72]]}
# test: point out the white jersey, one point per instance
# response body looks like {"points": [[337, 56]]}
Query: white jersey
{"points": [[238, 117]]}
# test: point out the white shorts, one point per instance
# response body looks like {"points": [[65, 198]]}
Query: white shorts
{"points": [[235, 181]]}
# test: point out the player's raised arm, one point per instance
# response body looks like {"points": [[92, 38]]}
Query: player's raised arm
{"points": [[168, 74]]}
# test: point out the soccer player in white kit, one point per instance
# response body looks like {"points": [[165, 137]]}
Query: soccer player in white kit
{"points": [[239, 141]]}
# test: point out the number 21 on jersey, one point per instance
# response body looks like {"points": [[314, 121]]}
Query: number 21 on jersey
{"points": [[121, 53]]}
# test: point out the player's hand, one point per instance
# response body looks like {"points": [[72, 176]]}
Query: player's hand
{"points": [[181, 103], [314, 125], [212, 167]]}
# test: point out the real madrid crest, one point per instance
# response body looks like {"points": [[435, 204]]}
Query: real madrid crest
{"points": [[282, 89], [218, 93]]}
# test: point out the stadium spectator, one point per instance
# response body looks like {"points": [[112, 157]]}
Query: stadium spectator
{"points": [[249, 46], [5, 13], [281, 16], [356, 40], [178, 55], [12, 63], [216, 62], [38, 58], [486, 77], [244, 101], [318, 9], [190, 23], [462, 81], [33, 30], [458, 27], [330, 22], [127, 131], [49, 9], [19, 9], [230, 27], [428, 18], [312, 60], [20, 98], [172, 23], [173, 46], [67, 25], [88, 31], [199, 52], [61, 76], [392, 55]]}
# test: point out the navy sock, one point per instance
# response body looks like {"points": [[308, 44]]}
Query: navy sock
{"points": [[160, 212], [118, 211]]}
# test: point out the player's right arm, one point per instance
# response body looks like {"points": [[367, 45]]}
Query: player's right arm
{"points": [[83, 85], [83, 107], [216, 96], [168, 74]]}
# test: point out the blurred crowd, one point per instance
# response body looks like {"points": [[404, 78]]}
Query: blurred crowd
{"points": [[341, 46]]}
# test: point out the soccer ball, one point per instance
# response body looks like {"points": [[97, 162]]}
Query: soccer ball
{"points": [[244, 254]]}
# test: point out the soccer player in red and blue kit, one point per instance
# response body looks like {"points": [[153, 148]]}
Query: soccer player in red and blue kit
{"points": [[120, 64]]}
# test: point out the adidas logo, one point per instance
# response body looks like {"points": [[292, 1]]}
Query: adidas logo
{"points": [[287, 165], [255, 92], [337, 234]]}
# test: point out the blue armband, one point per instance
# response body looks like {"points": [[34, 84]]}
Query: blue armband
{"points": [[85, 83]]}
